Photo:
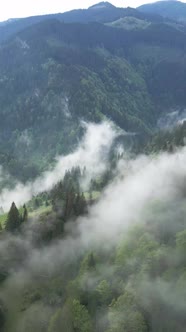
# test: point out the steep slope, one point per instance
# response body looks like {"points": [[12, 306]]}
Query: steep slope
{"points": [[53, 75]]}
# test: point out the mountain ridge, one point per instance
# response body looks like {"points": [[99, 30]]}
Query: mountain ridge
{"points": [[108, 13], [175, 10]]}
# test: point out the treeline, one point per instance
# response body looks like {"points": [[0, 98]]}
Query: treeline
{"points": [[168, 139], [67, 199], [64, 202]]}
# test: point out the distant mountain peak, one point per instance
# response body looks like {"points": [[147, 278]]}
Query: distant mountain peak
{"points": [[101, 5], [172, 9]]}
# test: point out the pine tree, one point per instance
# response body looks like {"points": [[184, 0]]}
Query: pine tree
{"points": [[13, 220], [25, 213], [82, 205], [77, 204], [69, 204]]}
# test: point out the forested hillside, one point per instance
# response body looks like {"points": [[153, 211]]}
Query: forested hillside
{"points": [[54, 75], [92, 172], [76, 261]]}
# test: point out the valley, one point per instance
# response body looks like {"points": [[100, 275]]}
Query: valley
{"points": [[92, 170]]}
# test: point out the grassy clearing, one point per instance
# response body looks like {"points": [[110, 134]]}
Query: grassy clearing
{"points": [[3, 218], [46, 209], [42, 209], [33, 214]]}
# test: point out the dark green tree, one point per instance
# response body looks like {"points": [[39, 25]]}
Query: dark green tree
{"points": [[80, 205], [25, 213], [69, 204], [13, 219]]}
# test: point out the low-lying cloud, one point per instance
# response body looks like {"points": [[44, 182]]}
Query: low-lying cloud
{"points": [[91, 153], [128, 200]]}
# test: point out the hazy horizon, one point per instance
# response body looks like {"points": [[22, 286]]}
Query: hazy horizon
{"points": [[20, 8]]}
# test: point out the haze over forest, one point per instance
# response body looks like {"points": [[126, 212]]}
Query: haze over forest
{"points": [[92, 170], [20, 8]]}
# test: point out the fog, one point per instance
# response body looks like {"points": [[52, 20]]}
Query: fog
{"points": [[145, 190], [172, 119], [92, 153]]}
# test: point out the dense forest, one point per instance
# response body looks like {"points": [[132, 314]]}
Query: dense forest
{"points": [[92, 171], [56, 74], [75, 261]]}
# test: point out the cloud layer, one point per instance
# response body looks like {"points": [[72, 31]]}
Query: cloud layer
{"points": [[91, 153]]}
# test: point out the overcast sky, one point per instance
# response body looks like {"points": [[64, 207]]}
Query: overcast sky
{"points": [[24, 8]]}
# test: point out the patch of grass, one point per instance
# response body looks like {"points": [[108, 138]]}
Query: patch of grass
{"points": [[129, 23], [3, 218], [41, 209], [95, 195]]}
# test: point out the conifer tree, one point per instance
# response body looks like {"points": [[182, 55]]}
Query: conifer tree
{"points": [[82, 205], [13, 219], [25, 213]]}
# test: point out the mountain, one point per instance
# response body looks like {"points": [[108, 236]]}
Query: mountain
{"points": [[99, 244], [53, 75], [175, 10], [102, 12]]}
